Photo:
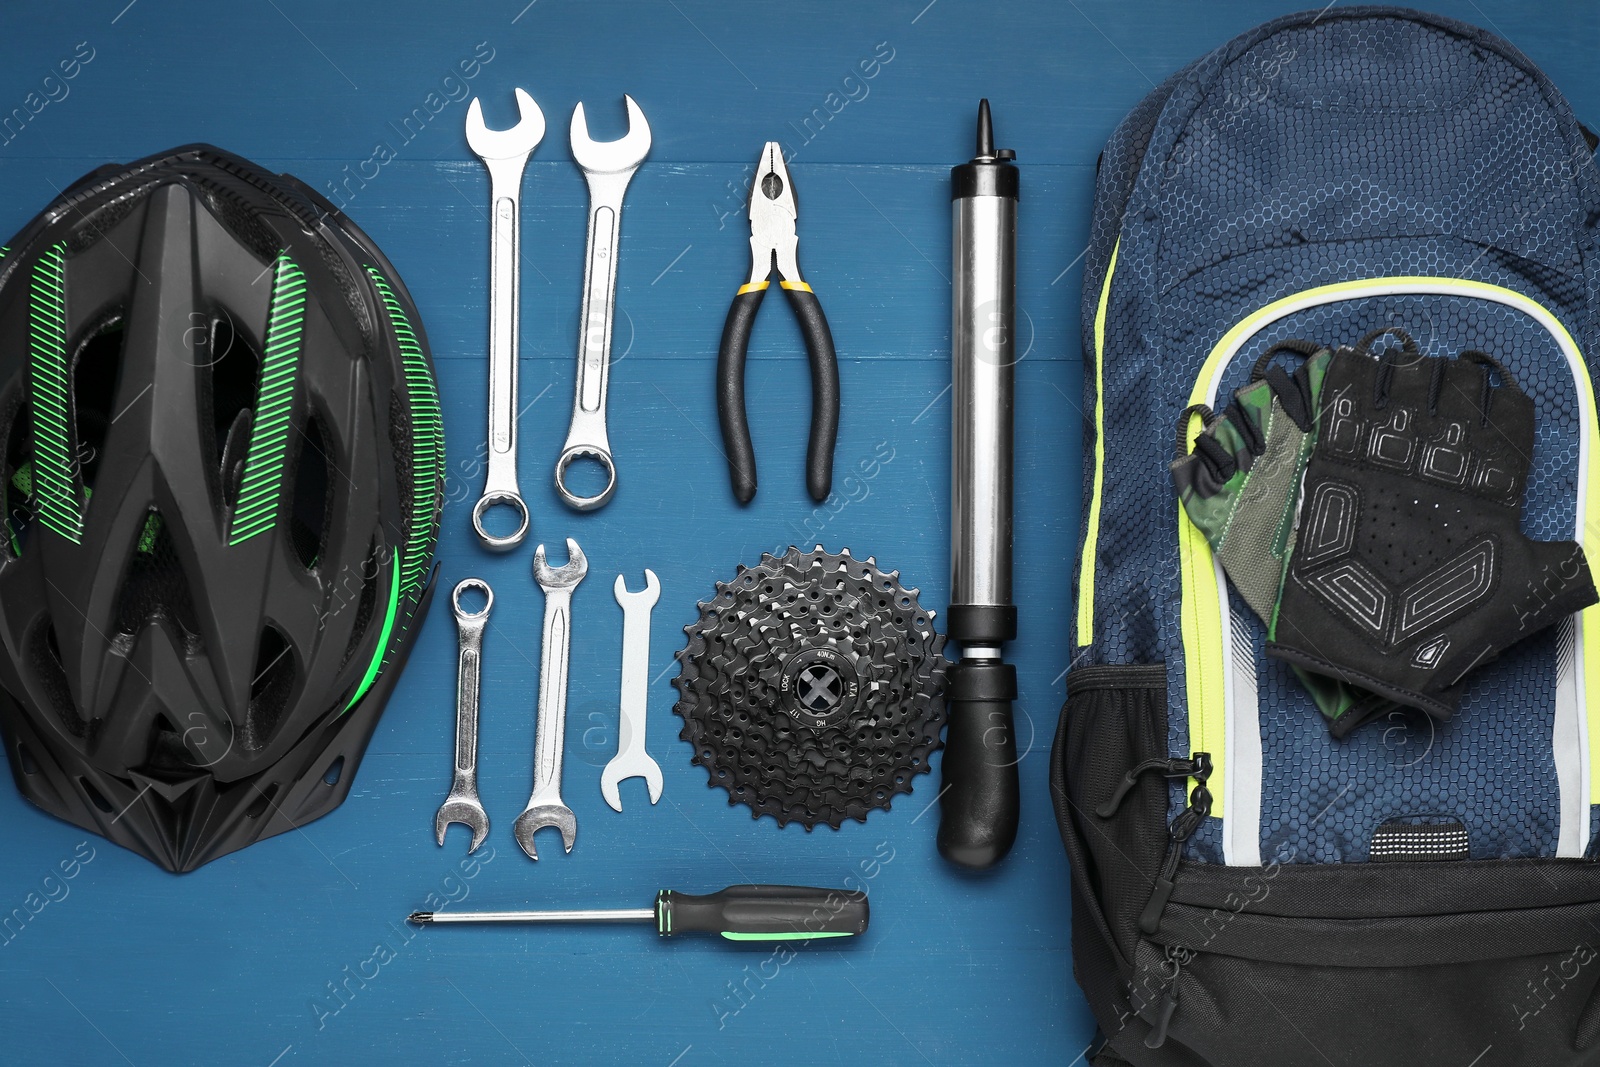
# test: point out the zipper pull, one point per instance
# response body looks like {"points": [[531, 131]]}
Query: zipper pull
{"points": [[1172, 966], [1184, 826], [1197, 767]]}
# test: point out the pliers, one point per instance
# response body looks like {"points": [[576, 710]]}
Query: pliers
{"points": [[773, 244]]}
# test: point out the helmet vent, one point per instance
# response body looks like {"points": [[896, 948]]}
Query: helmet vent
{"points": [[30, 767], [155, 587], [312, 490], [166, 757], [271, 683], [97, 798], [331, 777], [17, 489], [232, 366], [258, 807], [366, 605], [233, 449], [96, 373]]}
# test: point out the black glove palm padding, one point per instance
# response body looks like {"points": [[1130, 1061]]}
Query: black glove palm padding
{"points": [[1411, 567]]}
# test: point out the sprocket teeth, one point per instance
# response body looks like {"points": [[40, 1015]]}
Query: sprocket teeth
{"points": [[733, 665]]}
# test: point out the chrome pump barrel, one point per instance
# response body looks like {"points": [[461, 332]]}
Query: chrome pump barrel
{"points": [[979, 801]]}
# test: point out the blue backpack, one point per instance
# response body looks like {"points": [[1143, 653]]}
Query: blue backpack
{"points": [[1248, 889]]}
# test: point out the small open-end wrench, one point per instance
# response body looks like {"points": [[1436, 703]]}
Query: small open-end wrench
{"points": [[608, 166], [463, 805], [544, 806], [505, 154], [631, 760]]}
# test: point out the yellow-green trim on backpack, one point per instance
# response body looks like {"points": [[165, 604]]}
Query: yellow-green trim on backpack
{"points": [[1091, 533]]}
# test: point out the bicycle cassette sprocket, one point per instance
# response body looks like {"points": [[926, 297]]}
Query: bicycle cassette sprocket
{"points": [[812, 687]]}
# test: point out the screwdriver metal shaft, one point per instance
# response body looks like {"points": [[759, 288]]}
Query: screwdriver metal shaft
{"points": [[588, 915]]}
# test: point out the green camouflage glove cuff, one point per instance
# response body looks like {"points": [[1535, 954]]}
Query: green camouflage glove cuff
{"points": [[1241, 483]]}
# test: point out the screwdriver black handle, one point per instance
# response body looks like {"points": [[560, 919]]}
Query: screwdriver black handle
{"points": [[731, 413], [981, 799], [763, 913]]}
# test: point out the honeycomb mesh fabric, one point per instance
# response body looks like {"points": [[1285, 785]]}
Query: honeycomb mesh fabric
{"points": [[155, 587], [1125, 627], [734, 667], [1311, 152]]}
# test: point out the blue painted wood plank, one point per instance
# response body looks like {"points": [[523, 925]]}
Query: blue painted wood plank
{"points": [[294, 951]]}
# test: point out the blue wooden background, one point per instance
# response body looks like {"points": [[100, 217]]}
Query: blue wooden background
{"points": [[295, 950]]}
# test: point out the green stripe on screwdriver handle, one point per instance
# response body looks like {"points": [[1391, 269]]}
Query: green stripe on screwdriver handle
{"points": [[738, 913]]}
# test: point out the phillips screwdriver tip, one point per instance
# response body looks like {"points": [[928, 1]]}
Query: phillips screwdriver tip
{"points": [[420, 917]]}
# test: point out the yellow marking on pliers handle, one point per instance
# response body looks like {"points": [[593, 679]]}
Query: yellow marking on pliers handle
{"points": [[752, 287], [796, 285]]}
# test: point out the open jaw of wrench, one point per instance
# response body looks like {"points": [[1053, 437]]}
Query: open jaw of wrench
{"points": [[544, 806], [607, 166], [631, 760], [505, 154], [463, 805]]}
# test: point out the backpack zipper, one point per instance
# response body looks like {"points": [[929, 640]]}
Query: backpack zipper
{"points": [[1198, 767], [1176, 958], [1181, 829]]}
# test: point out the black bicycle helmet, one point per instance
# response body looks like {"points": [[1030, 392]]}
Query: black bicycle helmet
{"points": [[222, 477]]}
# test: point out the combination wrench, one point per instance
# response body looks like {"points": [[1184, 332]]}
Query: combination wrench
{"points": [[544, 806], [607, 166], [463, 805], [631, 760], [505, 154]]}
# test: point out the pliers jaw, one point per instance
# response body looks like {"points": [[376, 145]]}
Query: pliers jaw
{"points": [[772, 249], [774, 242]]}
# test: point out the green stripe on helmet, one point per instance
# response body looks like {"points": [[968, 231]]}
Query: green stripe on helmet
{"points": [[427, 442], [414, 558], [55, 461], [256, 511], [382, 652]]}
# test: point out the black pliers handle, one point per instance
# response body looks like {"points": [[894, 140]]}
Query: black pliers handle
{"points": [[773, 244]]}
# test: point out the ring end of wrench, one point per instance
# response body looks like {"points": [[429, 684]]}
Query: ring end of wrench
{"points": [[601, 456], [497, 498]]}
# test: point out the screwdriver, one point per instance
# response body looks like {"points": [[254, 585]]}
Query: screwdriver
{"points": [[738, 913]]}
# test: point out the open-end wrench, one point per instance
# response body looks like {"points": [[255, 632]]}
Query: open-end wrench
{"points": [[631, 760], [608, 166], [544, 806], [505, 154], [463, 805]]}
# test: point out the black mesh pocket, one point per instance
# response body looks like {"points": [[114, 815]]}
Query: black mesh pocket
{"points": [[1115, 719]]}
